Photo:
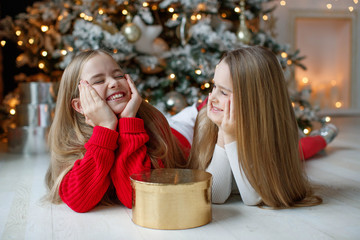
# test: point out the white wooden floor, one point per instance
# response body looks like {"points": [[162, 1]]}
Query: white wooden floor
{"points": [[336, 172]]}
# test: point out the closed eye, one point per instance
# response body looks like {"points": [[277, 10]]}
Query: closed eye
{"points": [[100, 81], [119, 76]]}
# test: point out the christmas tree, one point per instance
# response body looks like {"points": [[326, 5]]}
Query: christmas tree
{"points": [[169, 47]]}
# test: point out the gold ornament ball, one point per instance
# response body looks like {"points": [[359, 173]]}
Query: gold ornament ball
{"points": [[131, 32]]}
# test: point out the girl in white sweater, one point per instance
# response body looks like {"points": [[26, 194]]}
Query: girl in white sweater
{"points": [[249, 129]]}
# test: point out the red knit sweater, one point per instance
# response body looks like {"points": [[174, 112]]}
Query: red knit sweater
{"points": [[110, 157]]}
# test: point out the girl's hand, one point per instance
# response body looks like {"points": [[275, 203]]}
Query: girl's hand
{"points": [[135, 101], [228, 125], [95, 109], [220, 139]]}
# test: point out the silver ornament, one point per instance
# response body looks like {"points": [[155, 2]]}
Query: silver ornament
{"points": [[174, 102]]}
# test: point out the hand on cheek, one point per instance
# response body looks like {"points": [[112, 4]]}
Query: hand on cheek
{"points": [[228, 125], [96, 111], [135, 101]]}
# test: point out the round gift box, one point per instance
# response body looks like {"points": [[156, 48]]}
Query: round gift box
{"points": [[171, 198]]}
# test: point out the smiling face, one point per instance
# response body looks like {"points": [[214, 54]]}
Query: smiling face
{"points": [[220, 94], [108, 80]]}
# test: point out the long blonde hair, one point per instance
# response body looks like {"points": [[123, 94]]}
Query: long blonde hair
{"points": [[69, 132], [266, 132]]}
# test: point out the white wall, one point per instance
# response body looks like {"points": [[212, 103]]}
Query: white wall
{"points": [[286, 33]]}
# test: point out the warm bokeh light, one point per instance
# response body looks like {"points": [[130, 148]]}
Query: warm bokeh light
{"points": [[265, 17], [306, 131], [282, 3], [124, 12], [41, 65], [31, 40], [172, 76], [145, 4], [329, 6], [20, 43], [207, 85], [12, 111], [175, 16], [338, 104], [351, 9], [237, 9], [327, 119], [170, 9], [284, 55], [44, 53], [305, 80], [101, 11], [63, 52], [198, 71], [18, 33], [3, 42], [44, 28]]}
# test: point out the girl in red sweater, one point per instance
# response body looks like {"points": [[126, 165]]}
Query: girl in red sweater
{"points": [[102, 133]]}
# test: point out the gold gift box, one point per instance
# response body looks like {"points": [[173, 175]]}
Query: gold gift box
{"points": [[171, 198]]}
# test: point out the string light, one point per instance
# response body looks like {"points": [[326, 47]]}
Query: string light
{"points": [[20, 43], [198, 71], [63, 52], [170, 9], [284, 55], [237, 9], [198, 16], [306, 131], [265, 17], [12, 111], [193, 17], [289, 62], [351, 9], [19, 58], [41, 65], [327, 119], [154, 7], [101, 11], [305, 80], [44, 53], [207, 85], [31, 41], [124, 12], [356, 1], [172, 76], [329, 6], [338, 104], [3, 42], [18, 33], [44, 28], [175, 16], [282, 3], [145, 4], [223, 15]]}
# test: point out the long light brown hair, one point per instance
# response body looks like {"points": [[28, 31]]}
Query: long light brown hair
{"points": [[69, 132], [266, 131]]}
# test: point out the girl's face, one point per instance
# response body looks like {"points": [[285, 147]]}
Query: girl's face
{"points": [[220, 94], [108, 80]]}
